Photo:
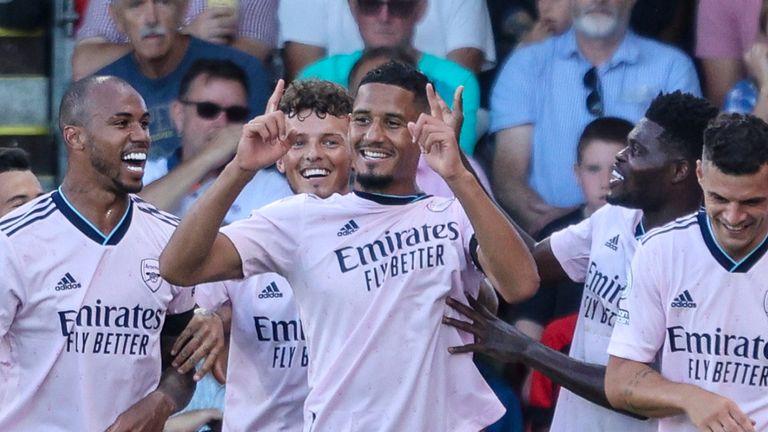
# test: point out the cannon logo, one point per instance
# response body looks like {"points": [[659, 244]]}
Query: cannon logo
{"points": [[150, 274]]}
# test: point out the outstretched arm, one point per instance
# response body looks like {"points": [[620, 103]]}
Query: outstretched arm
{"points": [[502, 341], [197, 252]]}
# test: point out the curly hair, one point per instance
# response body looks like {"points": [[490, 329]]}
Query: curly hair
{"points": [[683, 118], [737, 144], [319, 96]]}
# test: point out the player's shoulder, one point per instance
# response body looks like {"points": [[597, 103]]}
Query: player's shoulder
{"points": [[148, 214], [31, 214], [681, 226], [613, 215]]}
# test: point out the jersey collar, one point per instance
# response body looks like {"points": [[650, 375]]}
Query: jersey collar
{"points": [[721, 256], [385, 199], [86, 227]]}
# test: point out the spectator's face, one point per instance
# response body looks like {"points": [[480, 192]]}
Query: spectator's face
{"points": [[387, 23], [601, 18], [642, 171], [737, 206], [203, 111], [383, 153], [319, 159], [116, 137], [16, 189], [149, 24], [555, 15], [594, 171]]}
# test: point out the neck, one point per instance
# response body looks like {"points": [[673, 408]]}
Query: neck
{"points": [[599, 50], [160, 67], [397, 190], [680, 205], [104, 209]]}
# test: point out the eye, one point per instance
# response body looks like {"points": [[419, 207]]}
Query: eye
{"points": [[121, 124], [144, 124], [394, 123], [331, 143], [298, 144], [361, 120]]}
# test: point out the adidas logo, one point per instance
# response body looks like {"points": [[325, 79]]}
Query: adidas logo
{"points": [[270, 291], [348, 228], [613, 243], [684, 300], [67, 283]]}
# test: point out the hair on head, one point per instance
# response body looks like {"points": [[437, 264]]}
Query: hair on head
{"points": [[683, 117], [401, 75], [318, 96], [14, 159], [73, 109], [737, 144], [212, 68], [611, 129]]}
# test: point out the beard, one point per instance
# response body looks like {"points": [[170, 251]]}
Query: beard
{"points": [[374, 182], [102, 166], [596, 25]]}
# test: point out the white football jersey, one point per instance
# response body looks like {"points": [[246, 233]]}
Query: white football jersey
{"points": [[80, 314], [370, 275], [268, 357], [705, 313], [598, 252]]}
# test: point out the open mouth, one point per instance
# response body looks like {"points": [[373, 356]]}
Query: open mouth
{"points": [[135, 160], [616, 177], [370, 154], [313, 173]]}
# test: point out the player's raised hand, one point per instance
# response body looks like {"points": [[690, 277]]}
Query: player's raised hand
{"points": [[266, 138], [437, 139]]}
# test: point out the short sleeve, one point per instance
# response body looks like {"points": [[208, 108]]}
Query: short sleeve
{"points": [[98, 23], [513, 94], [469, 26], [726, 29], [303, 21], [683, 76], [258, 20], [213, 296], [10, 285], [571, 247], [183, 300], [640, 327]]}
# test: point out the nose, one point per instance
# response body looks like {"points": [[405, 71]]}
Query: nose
{"points": [[734, 214], [384, 14], [151, 13], [375, 132], [139, 134], [313, 151], [621, 156]]}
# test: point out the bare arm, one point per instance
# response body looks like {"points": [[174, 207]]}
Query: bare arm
{"points": [[756, 60], [470, 58], [719, 76], [93, 54], [511, 164], [297, 56], [191, 421], [634, 386]]}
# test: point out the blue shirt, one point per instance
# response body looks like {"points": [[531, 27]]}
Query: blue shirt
{"points": [[542, 84], [742, 98], [160, 93]]}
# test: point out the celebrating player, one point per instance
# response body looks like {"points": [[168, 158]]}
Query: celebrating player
{"points": [[370, 270]]}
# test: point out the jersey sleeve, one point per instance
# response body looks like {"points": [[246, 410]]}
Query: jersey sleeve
{"points": [[303, 21], [183, 300], [468, 25], [258, 20], [571, 247], [213, 296], [513, 97], [640, 327], [11, 285], [268, 241]]}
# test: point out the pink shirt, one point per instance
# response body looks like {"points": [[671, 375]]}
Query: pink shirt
{"points": [[80, 314], [370, 280], [726, 29], [704, 312]]}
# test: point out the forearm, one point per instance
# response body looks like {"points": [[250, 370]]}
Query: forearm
{"points": [[635, 387], [253, 47], [761, 106], [167, 192], [191, 420], [88, 57], [176, 388], [522, 203], [192, 241], [470, 58], [506, 258]]}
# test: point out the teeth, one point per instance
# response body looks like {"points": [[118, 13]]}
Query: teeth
{"points": [[137, 169], [617, 175], [135, 156], [315, 172], [371, 154]]}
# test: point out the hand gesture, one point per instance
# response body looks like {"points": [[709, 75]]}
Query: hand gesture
{"points": [[712, 412], [203, 337], [756, 60], [216, 25], [493, 336], [266, 138], [436, 135], [147, 415]]}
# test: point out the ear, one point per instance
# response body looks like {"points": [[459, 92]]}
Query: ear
{"points": [[177, 115], [280, 166], [682, 170], [699, 171], [74, 137], [576, 173]]}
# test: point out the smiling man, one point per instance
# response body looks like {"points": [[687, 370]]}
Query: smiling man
{"points": [[653, 183], [698, 298], [18, 185], [371, 269], [83, 310]]}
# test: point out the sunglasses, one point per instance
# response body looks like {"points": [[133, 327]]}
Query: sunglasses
{"points": [[396, 8], [210, 110], [595, 96]]}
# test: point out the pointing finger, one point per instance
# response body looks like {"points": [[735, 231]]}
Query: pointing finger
{"points": [[434, 104], [274, 100]]}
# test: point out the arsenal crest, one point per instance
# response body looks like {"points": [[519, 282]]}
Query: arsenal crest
{"points": [[150, 273]]}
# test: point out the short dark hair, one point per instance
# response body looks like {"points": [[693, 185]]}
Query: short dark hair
{"points": [[320, 96], [401, 75], [213, 68], [14, 159], [396, 53], [737, 144], [73, 108], [612, 129], [683, 117]]}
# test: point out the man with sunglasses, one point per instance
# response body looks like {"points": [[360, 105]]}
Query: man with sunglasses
{"points": [[209, 114], [547, 92]]}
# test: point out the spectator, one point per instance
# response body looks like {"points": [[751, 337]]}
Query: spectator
{"points": [[459, 30], [546, 93], [18, 185], [159, 58], [724, 32], [209, 113], [713, 363], [554, 19], [252, 28], [381, 26]]}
